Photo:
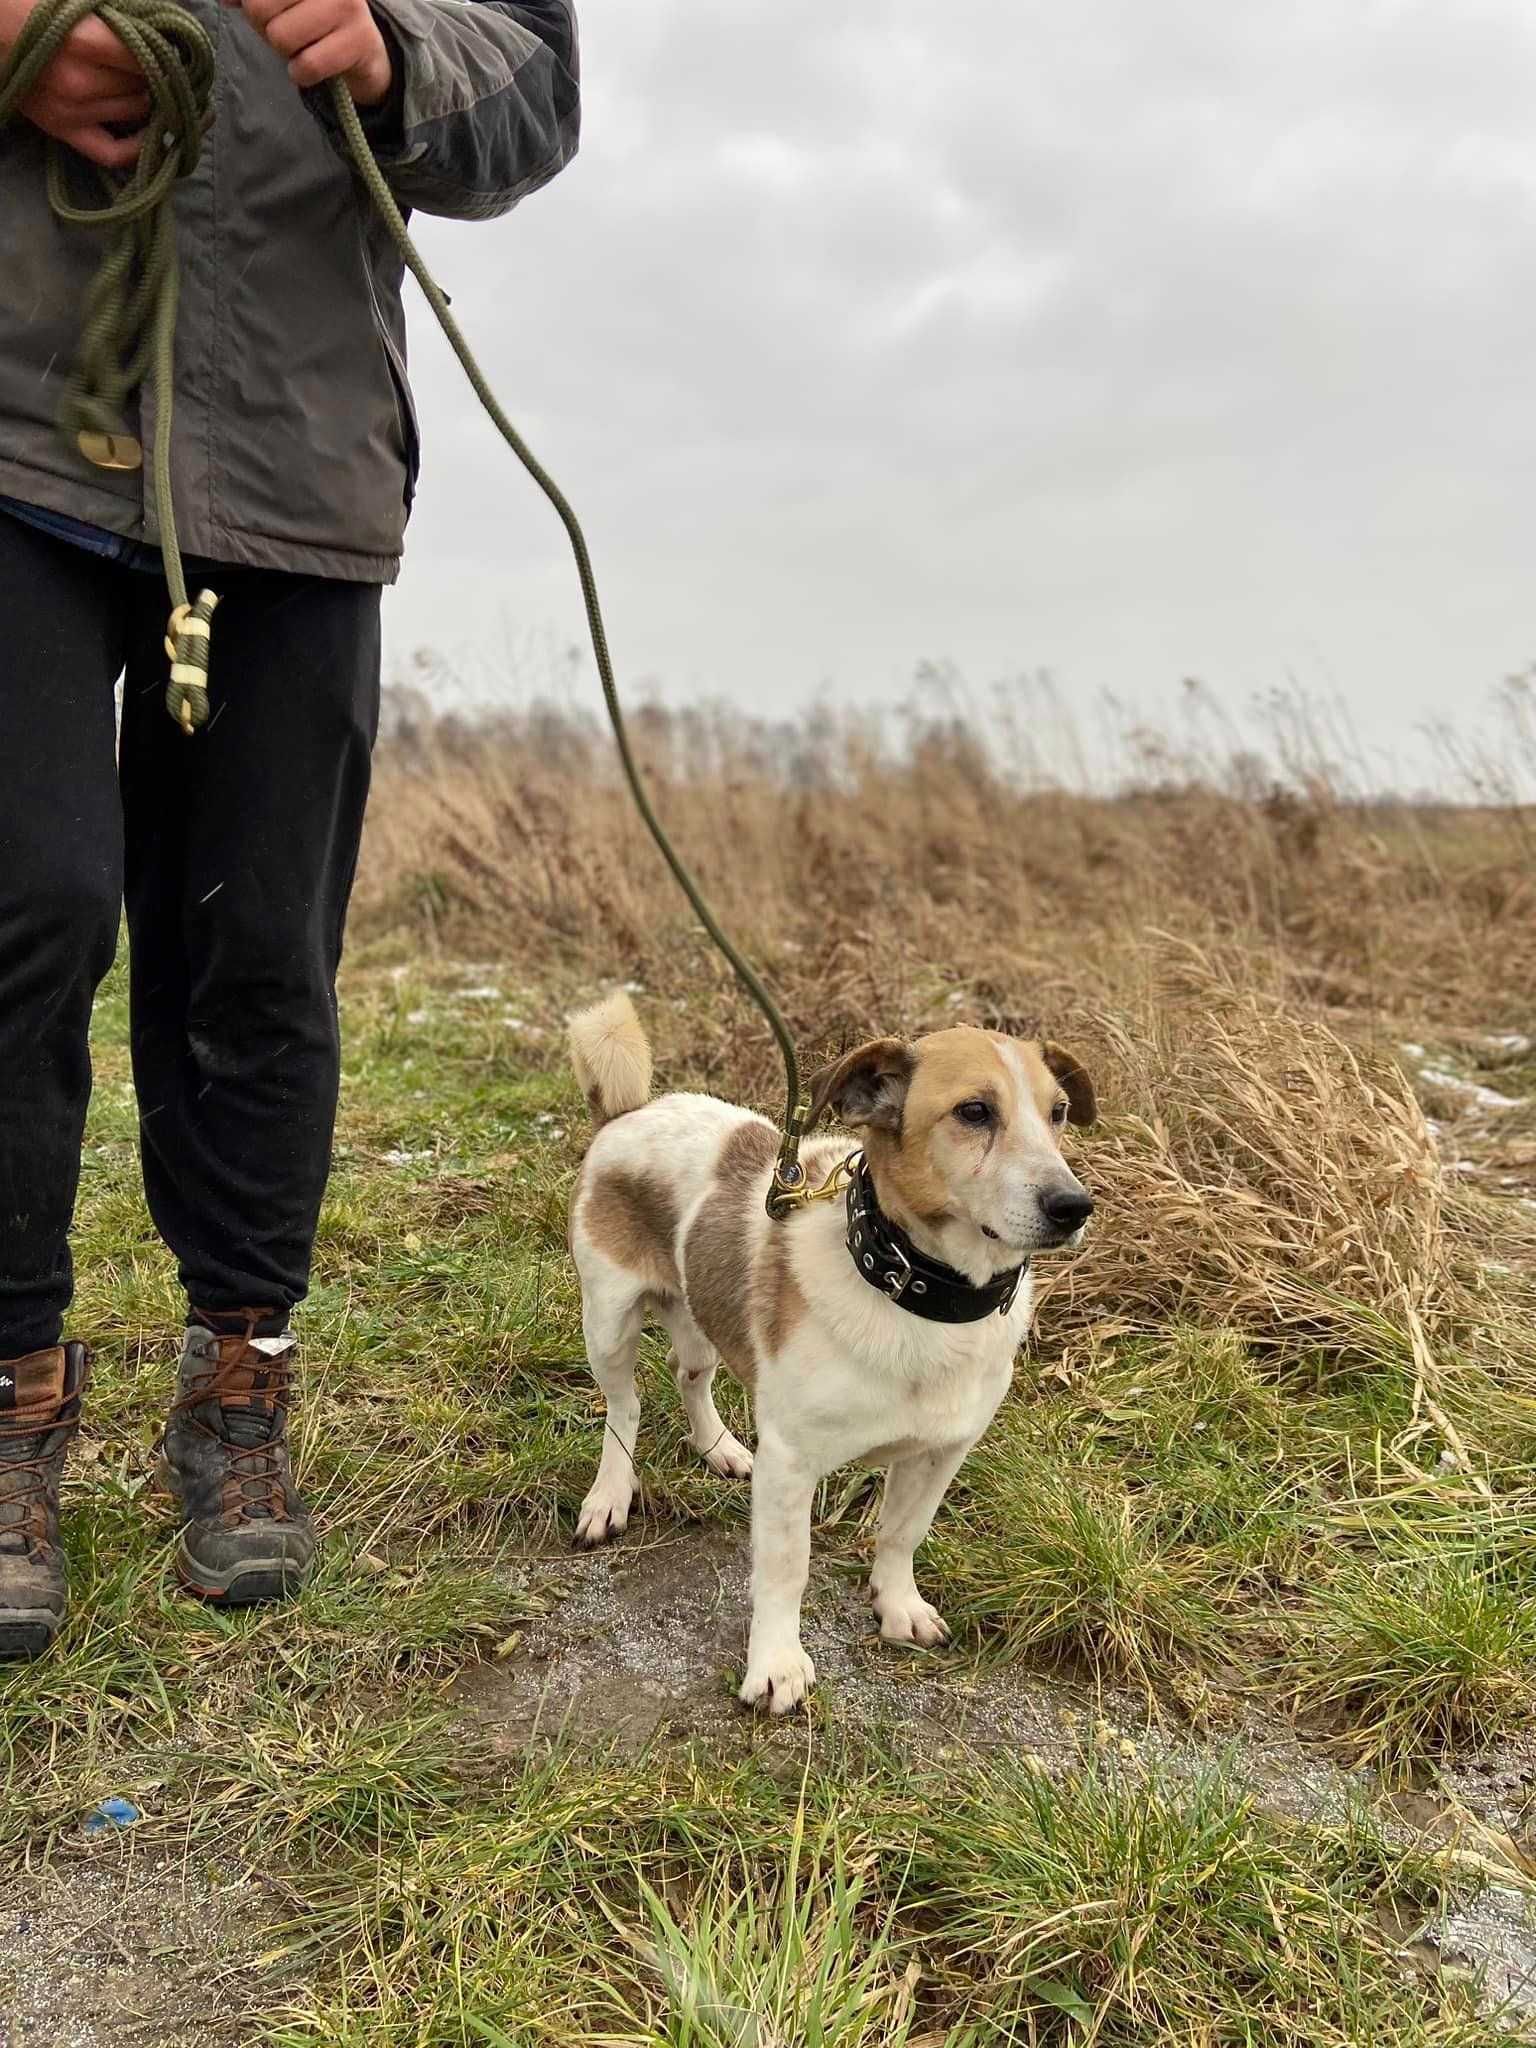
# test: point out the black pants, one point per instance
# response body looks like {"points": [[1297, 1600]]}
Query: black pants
{"points": [[234, 852]]}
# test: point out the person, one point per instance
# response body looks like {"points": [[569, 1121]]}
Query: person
{"points": [[294, 456]]}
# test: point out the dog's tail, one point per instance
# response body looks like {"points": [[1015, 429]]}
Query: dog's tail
{"points": [[612, 1058]]}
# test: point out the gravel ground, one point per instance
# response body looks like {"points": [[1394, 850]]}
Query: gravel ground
{"points": [[117, 1947]]}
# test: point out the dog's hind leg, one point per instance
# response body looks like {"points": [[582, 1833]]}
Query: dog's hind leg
{"points": [[612, 1311], [694, 1363]]}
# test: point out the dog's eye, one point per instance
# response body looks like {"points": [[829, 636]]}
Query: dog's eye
{"points": [[1059, 1110], [976, 1113]]}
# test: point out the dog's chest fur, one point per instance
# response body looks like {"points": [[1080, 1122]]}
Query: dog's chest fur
{"points": [[675, 1191]]}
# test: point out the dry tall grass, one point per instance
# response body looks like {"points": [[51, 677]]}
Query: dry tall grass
{"points": [[1238, 953]]}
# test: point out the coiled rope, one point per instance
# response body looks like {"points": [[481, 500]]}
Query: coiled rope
{"points": [[128, 339]]}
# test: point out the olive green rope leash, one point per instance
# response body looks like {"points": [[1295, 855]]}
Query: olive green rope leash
{"points": [[789, 1172], [128, 339]]}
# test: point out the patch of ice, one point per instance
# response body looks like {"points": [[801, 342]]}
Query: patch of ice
{"points": [[1439, 1077], [1485, 1098], [1507, 1041], [1490, 1098], [400, 1157], [1414, 1052]]}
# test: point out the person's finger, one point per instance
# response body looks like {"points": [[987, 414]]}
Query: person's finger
{"points": [[50, 111], [112, 152], [124, 109], [305, 22], [262, 13], [95, 42], [329, 58], [76, 78]]}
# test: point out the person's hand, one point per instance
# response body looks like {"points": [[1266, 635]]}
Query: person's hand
{"points": [[91, 87], [323, 39]]}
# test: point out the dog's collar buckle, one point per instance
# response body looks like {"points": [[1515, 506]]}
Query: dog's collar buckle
{"points": [[896, 1279]]}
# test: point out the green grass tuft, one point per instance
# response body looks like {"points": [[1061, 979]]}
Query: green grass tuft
{"points": [[1413, 1658]]}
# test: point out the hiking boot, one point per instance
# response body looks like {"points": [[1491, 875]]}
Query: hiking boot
{"points": [[39, 1413], [246, 1535]]}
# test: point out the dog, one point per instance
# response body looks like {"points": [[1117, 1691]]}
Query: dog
{"points": [[882, 1329]]}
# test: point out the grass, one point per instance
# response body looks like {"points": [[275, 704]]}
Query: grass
{"points": [[847, 1907], [1273, 1453], [1422, 1654], [650, 1905]]}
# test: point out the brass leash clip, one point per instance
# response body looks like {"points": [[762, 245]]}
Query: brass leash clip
{"points": [[788, 1195]]}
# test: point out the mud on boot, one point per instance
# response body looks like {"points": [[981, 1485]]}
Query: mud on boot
{"points": [[40, 1399], [246, 1535]]}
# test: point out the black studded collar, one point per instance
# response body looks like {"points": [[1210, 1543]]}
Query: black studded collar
{"points": [[888, 1259]]}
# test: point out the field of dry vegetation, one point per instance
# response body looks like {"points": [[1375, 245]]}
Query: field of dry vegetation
{"points": [[1237, 1740]]}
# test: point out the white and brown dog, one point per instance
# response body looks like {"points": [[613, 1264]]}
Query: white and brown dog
{"points": [[884, 1330]]}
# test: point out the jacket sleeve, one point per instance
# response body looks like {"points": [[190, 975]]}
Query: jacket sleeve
{"points": [[486, 102]]}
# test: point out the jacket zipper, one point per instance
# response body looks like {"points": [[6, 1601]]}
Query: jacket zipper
{"points": [[405, 405]]}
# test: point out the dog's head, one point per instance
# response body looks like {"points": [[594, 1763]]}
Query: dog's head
{"points": [[962, 1133]]}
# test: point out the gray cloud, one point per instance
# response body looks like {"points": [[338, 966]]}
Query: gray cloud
{"points": [[1130, 342]]}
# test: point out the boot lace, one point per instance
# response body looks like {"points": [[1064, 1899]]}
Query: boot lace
{"points": [[27, 1481], [254, 1469]]}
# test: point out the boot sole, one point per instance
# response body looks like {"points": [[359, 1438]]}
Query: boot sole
{"points": [[244, 1585], [26, 1632]]}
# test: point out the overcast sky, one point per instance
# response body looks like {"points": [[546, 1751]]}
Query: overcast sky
{"points": [[1133, 341]]}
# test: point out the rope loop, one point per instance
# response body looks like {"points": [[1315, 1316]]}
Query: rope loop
{"points": [[128, 323], [187, 646]]}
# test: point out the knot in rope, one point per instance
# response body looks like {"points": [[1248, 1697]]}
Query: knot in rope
{"points": [[128, 329]]}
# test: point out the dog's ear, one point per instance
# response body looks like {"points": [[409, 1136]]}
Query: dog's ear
{"points": [[866, 1087], [1082, 1108]]}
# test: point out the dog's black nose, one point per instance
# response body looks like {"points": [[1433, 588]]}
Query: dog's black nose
{"points": [[1067, 1208]]}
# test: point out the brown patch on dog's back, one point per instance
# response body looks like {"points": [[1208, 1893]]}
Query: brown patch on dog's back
{"points": [[747, 1155], [717, 1256], [632, 1219], [781, 1307]]}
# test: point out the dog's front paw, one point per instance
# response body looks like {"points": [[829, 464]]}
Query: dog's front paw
{"points": [[604, 1514], [908, 1618], [778, 1681], [729, 1458]]}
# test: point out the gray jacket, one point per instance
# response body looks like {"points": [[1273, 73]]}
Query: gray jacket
{"points": [[294, 444]]}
